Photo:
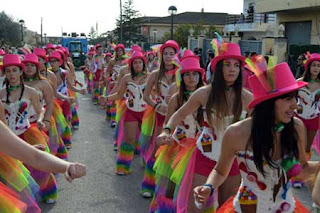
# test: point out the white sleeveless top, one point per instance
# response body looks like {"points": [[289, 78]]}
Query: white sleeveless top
{"points": [[17, 115], [258, 190], [32, 114], [309, 102], [211, 138], [63, 87], [188, 128], [134, 97], [164, 92]]}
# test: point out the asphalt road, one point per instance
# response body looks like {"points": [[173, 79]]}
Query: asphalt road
{"points": [[101, 191]]}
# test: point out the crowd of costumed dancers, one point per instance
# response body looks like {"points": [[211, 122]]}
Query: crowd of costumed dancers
{"points": [[38, 109], [233, 136]]}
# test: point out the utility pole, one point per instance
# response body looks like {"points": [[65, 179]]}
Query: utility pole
{"points": [[41, 32], [121, 21]]}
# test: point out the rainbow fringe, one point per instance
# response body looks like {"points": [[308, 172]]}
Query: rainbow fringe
{"points": [[62, 152], [121, 108], [16, 176], [53, 135], [34, 136], [153, 205], [124, 158], [147, 133], [63, 128], [113, 113], [165, 205], [10, 201], [50, 191], [96, 94], [137, 148], [75, 118], [148, 182]]}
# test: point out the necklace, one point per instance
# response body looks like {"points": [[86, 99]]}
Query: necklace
{"points": [[279, 127], [31, 79], [188, 92], [228, 88], [13, 88], [314, 80], [140, 74]]}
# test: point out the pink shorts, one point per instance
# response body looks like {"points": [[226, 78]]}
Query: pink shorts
{"points": [[204, 165], [160, 119], [132, 116], [96, 76], [311, 124]]}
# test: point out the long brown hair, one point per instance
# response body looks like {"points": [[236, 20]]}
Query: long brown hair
{"points": [[36, 75], [217, 100], [182, 97], [161, 71], [133, 72], [307, 74]]}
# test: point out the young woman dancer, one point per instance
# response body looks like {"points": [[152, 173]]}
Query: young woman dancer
{"points": [[57, 118], [64, 83], [133, 84], [113, 71], [11, 145], [183, 137], [18, 99], [270, 148], [308, 102], [153, 120], [224, 102]]}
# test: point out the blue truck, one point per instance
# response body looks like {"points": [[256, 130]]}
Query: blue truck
{"points": [[78, 48]]}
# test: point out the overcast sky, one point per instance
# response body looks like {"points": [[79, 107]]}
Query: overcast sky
{"points": [[77, 16]]}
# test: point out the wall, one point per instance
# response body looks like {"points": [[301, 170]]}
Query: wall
{"points": [[269, 6], [312, 15]]}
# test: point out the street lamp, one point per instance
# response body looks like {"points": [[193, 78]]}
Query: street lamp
{"points": [[154, 35], [21, 27], [172, 11]]}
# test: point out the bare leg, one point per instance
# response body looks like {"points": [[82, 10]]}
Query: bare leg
{"points": [[310, 137], [130, 131]]}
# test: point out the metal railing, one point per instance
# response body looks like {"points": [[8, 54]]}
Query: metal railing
{"points": [[251, 18]]}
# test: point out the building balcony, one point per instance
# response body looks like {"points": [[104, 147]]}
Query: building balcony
{"points": [[272, 6], [250, 23]]}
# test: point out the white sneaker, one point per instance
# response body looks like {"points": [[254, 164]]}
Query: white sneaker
{"points": [[121, 173], [146, 194], [50, 201], [297, 185]]}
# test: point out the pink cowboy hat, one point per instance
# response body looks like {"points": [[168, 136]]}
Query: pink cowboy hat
{"points": [[284, 82], [91, 53], [227, 51], [191, 63], [108, 54], [97, 46], [120, 46], [310, 58], [40, 53], [50, 46], [136, 48], [31, 58], [12, 60], [2, 52], [136, 55], [56, 55], [170, 43], [151, 53], [187, 53]]}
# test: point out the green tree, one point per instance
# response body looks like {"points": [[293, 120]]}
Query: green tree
{"points": [[9, 31], [180, 35], [131, 26], [198, 29], [93, 33]]}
